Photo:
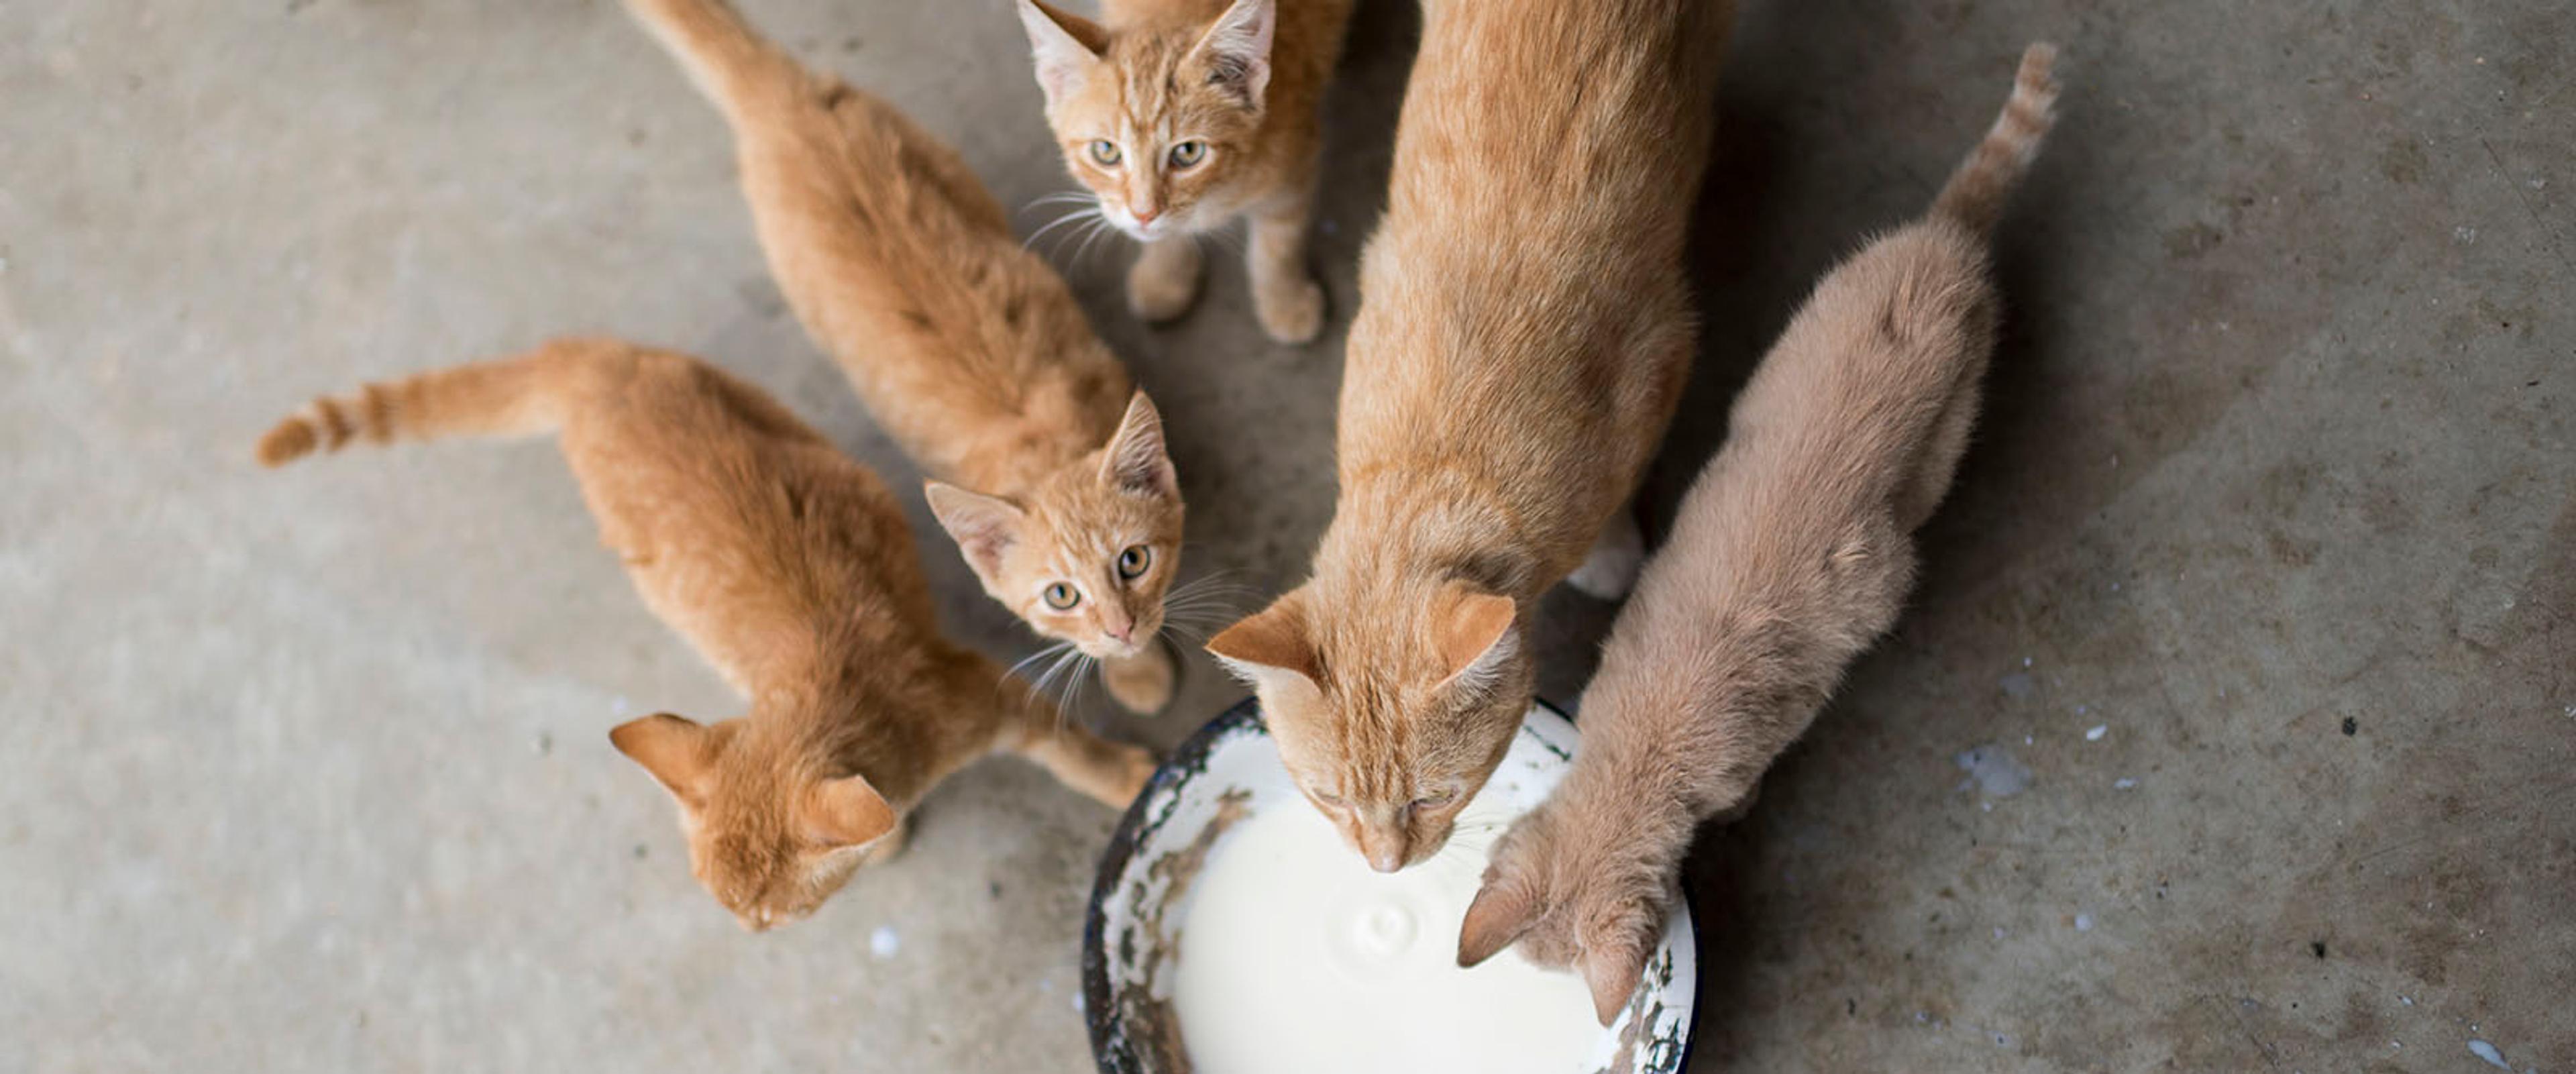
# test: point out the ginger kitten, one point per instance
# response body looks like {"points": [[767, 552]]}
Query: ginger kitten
{"points": [[1791, 555], [1181, 116], [971, 352], [790, 568], [1523, 335]]}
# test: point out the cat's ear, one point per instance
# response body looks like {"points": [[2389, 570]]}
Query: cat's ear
{"points": [[1475, 634], [985, 527], [1611, 969], [1501, 913], [1135, 460], [1236, 50], [1270, 642], [1065, 45], [846, 812], [677, 751]]}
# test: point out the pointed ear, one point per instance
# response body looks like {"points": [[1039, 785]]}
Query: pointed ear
{"points": [[1500, 914], [1612, 970], [678, 752], [985, 527], [1065, 45], [1236, 49], [1474, 631], [847, 812], [1135, 459], [1269, 642]]}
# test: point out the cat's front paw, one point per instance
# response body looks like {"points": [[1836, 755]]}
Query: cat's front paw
{"points": [[1164, 281], [1291, 310], [1142, 683]]}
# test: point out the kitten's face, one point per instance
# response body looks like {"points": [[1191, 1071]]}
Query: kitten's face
{"points": [[1388, 733], [1157, 123], [1087, 556], [768, 840]]}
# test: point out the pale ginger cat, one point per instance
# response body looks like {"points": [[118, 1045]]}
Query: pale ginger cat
{"points": [[1791, 555], [968, 350], [1522, 339], [791, 569], [1181, 116]]}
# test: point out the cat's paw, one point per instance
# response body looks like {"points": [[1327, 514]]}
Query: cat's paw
{"points": [[1290, 310], [1142, 683], [1164, 281], [1135, 771]]}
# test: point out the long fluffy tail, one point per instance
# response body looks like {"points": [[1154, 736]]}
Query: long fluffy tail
{"points": [[1975, 193], [510, 397], [728, 60]]}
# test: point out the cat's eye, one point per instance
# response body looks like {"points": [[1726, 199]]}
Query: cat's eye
{"points": [[1333, 800], [1104, 153], [1436, 799], [1061, 596], [1133, 561], [1188, 154]]}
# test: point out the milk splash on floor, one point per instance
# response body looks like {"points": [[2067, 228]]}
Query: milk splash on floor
{"points": [[1296, 957]]}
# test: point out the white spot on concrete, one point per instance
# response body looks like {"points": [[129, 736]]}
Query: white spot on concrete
{"points": [[1995, 770], [1999, 932], [2406, 1000], [2015, 685], [2488, 1052], [2095, 735], [2464, 235], [2083, 922], [2539, 184], [883, 943], [618, 706], [2025, 661], [2124, 784]]}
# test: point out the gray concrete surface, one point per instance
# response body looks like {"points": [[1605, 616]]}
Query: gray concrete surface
{"points": [[308, 772]]}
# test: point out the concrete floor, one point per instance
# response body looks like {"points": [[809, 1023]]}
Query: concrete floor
{"points": [[309, 769]]}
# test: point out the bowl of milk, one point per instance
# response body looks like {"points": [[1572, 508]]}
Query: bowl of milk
{"points": [[1231, 931]]}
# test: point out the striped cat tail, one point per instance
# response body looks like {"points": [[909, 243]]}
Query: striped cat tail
{"points": [[509, 397], [1975, 193]]}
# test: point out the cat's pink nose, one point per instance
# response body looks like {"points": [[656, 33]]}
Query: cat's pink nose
{"points": [[1124, 634], [1146, 216]]}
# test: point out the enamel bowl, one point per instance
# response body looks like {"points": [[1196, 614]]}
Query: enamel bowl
{"points": [[1230, 769]]}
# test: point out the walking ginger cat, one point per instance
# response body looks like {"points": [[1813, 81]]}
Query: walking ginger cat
{"points": [[1050, 470], [791, 569], [1791, 555], [1523, 335], [1182, 115]]}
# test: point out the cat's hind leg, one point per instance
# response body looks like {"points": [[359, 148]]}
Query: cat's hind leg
{"points": [[1610, 569]]}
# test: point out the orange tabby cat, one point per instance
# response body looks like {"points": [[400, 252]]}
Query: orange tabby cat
{"points": [[1791, 555], [969, 351], [791, 569], [1181, 116], [1522, 339]]}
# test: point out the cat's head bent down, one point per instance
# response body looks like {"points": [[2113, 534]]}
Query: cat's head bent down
{"points": [[1087, 555], [1158, 121], [1390, 715], [769, 837]]}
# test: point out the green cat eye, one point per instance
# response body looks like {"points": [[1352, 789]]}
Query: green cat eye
{"points": [[1061, 596], [1133, 561], [1188, 153], [1104, 153]]}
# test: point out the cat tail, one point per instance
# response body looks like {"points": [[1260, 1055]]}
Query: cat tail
{"points": [[519, 396], [723, 55], [1975, 193]]}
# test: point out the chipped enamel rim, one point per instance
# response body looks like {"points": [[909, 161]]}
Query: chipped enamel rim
{"points": [[1230, 768]]}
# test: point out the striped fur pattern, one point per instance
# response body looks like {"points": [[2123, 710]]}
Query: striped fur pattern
{"points": [[1791, 556], [791, 570]]}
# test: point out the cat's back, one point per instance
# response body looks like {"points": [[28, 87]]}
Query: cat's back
{"points": [[902, 265], [741, 525]]}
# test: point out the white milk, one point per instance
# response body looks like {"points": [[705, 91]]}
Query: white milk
{"points": [[1297, 958]]}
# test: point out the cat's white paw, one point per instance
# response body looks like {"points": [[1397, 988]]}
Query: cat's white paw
{"points": [[1610, 571], [1290, 311]]}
